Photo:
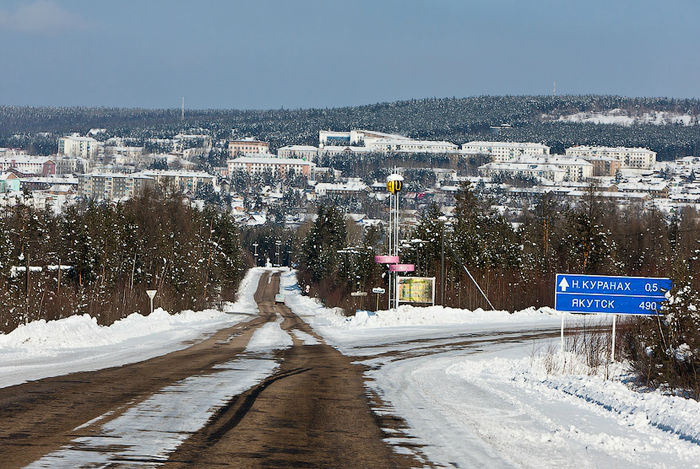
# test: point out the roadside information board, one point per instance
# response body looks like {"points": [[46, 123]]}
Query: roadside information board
{"points": [[615, 295], [416, 289]]}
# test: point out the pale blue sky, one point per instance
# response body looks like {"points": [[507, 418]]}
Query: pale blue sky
{"points": [[297, 53]]}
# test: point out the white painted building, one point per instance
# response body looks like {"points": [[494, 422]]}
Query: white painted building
{"points": [[40, 165], [352, 186], [12, 152], [333, 138], [281, 166], [74, 145], [381, 142], [332, 150], [305, 152], [554, 168], [247, 146], [184, 141], [638, 158], [407, 145], [186, 181], [131, 153], [504, 151], [72, 165], [112, 186]]}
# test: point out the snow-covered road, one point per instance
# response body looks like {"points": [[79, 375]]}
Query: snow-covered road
{"points": [[468, 389], [475, 391]]}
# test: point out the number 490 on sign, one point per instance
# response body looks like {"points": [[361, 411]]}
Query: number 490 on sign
{"points": [[648, 305]]}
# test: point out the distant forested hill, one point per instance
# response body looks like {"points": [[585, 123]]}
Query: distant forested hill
{"points": [[668, 126]]}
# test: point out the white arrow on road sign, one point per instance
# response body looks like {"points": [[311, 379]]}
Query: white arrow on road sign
{"points": [[563, 284]]}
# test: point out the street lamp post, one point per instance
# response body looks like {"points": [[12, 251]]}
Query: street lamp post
{"points": [[443, 220], [442, 268]]}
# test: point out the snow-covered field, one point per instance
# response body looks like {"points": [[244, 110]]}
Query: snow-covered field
{"points": [[42, 349], [621, 117], [477, 389]]}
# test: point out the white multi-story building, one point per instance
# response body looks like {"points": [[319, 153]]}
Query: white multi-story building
{"points": [[39, 165], [381, 142], [247, 146], [12, 152], [333, 138], [505, 151], [305, 152], [554, 168], [186, 181], [132, 153], [639, 158], [332, 150], [184, 141], [408, 145], [352, 186], [74, 145], [112, 186], [282, 166], [72, 165]]}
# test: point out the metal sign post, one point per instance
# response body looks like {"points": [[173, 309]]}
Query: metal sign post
{"points": [[562, 334], [612, 353], [378, 291], [151, 294]]}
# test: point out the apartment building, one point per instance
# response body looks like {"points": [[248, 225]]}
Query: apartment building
{"points": [[381, 142], [112, 186], [305, 152], [72, 165], [638, 158], [505, 151], [185, 181], [38, 165], [281, 166], [247, 146], [553, 168], [74, 145]]}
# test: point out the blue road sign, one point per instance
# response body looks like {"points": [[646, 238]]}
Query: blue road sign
{"points": [[615, 295]]}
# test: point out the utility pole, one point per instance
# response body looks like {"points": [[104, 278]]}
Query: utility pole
{"points": [[443, 220], [442, 268], [182, 114]]}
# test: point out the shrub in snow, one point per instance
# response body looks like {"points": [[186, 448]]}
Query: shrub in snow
{"points": [[665, 349]]}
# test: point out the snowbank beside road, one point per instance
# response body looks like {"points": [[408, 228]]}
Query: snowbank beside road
{"points": [[50, 348], [77, 332], [673, 414], [405, 315], [366, 327]]}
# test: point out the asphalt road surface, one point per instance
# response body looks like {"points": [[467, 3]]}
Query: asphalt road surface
{"points": [[312, 411]]}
